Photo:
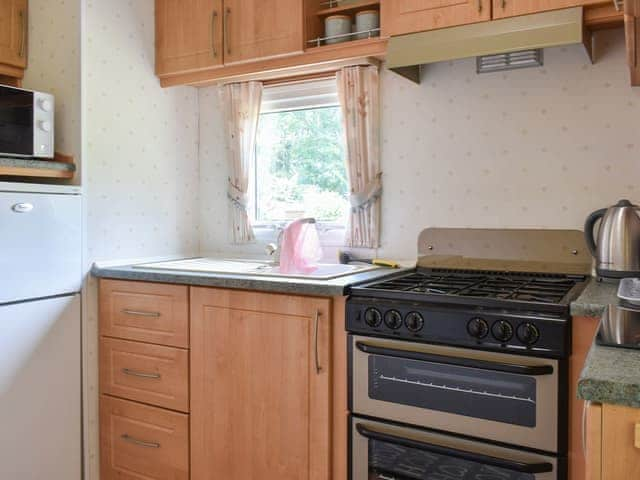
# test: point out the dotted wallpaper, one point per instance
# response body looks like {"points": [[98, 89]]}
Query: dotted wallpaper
{"points": [[141, 160], [539, 147], [54, 67]]}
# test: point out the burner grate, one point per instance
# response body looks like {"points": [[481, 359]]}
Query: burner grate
{"points": [[511, 286]]}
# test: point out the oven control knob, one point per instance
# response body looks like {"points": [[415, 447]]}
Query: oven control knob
{"points": [[502, 331], [393, 319], [414, 322], [372, 317], [478, 327], [528, 333]]}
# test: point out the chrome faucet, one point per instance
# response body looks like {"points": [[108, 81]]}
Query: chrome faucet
{"points": [[273, 249]]}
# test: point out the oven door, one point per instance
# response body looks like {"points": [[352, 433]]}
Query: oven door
{"points": [[506, 398], [16, 122], [381, 451]]}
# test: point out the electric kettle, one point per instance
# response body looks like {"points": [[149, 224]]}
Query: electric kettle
{"points": [[617, 249]]}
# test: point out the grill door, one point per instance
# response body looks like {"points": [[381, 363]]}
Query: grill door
{"points": [[502, 397], [387, 452]]}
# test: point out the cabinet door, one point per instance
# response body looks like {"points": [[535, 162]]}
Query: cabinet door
{"points": [[261, 28], [188, 35], [409, 16], [513, 8], [13, 33], [620, 442], [260, 407]]}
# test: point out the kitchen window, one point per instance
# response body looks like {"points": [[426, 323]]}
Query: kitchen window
{"points": [[300, 168]]}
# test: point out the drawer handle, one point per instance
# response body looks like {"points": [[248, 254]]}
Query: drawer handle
{"points": [[141, 443], [134, 373], [140, 313]]}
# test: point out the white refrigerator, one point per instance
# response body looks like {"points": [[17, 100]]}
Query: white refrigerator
{"points": [[40, 332]]}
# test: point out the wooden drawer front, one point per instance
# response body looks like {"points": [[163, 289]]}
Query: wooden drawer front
{"points": [[140, 442], [146, 373], [148, 312]]}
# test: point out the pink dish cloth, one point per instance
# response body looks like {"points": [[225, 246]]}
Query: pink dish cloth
{"points": [[300, 248]]}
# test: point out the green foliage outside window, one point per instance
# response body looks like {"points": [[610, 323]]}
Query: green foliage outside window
{"points": [[300, 167]]}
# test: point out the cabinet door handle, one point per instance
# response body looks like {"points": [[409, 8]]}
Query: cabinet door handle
{"points": [[636, 443], [225, 32], [479, 6], [141, 443], [135, 373], [140, 313], [504, 4], [214, 18], [23, 33], [316, 326]]}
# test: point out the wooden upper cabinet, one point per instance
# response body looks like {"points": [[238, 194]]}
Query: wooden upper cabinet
{"points": [[188, 35], [513, 8], [260, 386], [13, 33], [256, 29], [409, 16]]}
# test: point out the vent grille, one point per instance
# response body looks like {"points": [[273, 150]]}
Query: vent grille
{"points": [[509, 61]]}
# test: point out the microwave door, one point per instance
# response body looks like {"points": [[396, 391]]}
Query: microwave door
{"points": [[16, 122]]}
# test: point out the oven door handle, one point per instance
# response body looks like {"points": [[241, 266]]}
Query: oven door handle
{"points": [[529, 370], [513, 465]]}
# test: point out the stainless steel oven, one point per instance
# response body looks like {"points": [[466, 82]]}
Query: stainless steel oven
{"points": [[500, 397], [384, 451]]}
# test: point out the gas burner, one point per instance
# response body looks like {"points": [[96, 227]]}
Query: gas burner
{"points": [[549, 289]]}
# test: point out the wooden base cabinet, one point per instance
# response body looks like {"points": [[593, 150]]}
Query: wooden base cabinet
{"points": [[260, 386], [144, 374], [612, 439], [139, 442], [583, 329]]}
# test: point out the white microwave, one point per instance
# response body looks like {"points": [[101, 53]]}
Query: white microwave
{"points": [[26, 123]]}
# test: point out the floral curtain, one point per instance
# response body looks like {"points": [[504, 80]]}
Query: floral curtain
{"points": [[358, 88], [242, 108]]}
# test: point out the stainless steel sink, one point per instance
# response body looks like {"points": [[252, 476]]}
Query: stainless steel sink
{"points": [[325, 271]]}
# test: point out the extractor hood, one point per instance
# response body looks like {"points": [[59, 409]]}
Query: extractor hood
{"points": [[406, 53]]}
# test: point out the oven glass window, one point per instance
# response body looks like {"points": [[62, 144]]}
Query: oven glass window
{"points": [[16, 122], [473, 392], [388, 461]]}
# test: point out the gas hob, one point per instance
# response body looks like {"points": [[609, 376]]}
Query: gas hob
{"points": [[544, 292], [519, 312]]}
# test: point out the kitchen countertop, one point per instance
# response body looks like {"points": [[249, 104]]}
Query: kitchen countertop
{"points": [[297, 286], [611, 375], [595, 298], [39, 164]]}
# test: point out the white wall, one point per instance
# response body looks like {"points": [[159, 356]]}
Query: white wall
{"points": [[528, 148], [54, 66], [141, 160]]}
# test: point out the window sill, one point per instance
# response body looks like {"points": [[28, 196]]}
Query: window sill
{"points": [[331, 234]]}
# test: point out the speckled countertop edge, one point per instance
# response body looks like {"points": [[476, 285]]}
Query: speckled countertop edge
{"points": [[594, 299], [611, 375], [33, 163], [326, 288]]}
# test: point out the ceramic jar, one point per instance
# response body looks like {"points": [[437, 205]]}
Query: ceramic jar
{"points": [[337, 25], [367, 20]]}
